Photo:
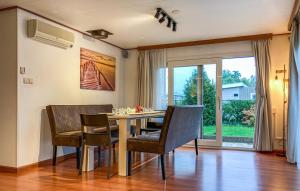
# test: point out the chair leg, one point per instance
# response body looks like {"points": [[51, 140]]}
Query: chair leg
{"points": [[54, 155], [129, 163], [77, 157], [162, 162], [108, 162], [196, 146], [81, 159], [99, 156]]}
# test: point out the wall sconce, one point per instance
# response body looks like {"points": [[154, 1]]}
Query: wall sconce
{"points": [[285, 90]]}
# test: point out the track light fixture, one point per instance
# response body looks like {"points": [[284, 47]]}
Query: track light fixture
{"points": [[163, 18], [169, 22], [157, 14], [174, 26], [161, 15]]}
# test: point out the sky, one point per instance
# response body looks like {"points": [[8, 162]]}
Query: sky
{"points": [[246, 66]]}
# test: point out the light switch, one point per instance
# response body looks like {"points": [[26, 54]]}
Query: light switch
{"points": [[22, 70]]}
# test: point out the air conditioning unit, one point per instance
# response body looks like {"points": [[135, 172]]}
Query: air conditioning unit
{"points": [[49, 34]]}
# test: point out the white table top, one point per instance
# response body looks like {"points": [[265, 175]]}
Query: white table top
{"points": [[141, 115]]}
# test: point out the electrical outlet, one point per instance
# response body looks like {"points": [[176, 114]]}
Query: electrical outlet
{"points": [[27, 81]]}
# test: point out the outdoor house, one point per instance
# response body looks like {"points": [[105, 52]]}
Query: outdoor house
{"points": [[237, 91]]}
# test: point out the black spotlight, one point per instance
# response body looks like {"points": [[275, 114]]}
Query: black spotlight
{"points": [[162, 15], [174, 26], [163, 18], [158, 11], [169, 22]]}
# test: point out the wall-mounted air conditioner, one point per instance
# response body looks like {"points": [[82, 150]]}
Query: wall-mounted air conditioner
{"points": [[49, 34]]}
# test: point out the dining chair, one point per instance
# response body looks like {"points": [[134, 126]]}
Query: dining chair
{"points": [[152, 126], [181, 125], [96, 132]]}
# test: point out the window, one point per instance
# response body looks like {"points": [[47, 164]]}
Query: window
{"points": [[253, 96], [236, 95]]}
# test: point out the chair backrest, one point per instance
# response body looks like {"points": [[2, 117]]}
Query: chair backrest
{"points": [[181, 125], [66, 118], [91, 122]]}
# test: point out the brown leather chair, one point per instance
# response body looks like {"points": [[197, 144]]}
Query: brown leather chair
{"points": [[181, 125], [65, 125], [96, 132]]}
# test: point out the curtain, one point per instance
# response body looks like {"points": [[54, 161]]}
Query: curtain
{"points": [[152, 79], [293, 135], [263, 125]]}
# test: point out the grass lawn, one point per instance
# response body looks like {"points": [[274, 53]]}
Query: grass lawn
{"points": [[231, 131]]}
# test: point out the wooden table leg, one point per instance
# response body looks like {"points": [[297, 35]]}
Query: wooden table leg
{"points": [[88, 159], [140, 124], [124, 131]]}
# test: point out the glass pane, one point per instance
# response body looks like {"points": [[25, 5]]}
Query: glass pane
{"points": [[208, 77], [197, 85], [185, 85], [238, 102]]}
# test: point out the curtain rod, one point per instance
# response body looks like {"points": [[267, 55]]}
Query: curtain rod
{"points": [[209, 41]]}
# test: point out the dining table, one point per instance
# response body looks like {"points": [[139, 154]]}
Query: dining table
{"points": [[124, 122]]}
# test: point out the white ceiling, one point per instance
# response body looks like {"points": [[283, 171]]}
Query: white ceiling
{"points": [[133, 23]]}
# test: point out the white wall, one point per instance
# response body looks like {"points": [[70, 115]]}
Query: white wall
{"points": [[130, 76], [8, 86], [279, 50], [55, 73]]}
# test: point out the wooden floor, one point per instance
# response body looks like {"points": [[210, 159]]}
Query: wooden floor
{"points": [[220, 170]]}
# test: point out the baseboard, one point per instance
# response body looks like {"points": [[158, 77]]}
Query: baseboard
{"points": [[8, 169], [58, 160], [29, 167]]}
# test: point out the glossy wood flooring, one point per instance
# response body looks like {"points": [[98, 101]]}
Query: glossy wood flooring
{"points": [[212, 170]]}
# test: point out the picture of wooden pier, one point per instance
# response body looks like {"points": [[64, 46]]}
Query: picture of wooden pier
{"points": [[97, 71]]}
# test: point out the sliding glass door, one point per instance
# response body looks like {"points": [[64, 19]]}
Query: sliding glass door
{"points": [[198, 82], [226, 88]]}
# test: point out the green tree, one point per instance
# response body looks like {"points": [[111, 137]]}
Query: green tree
{"points": [[229, 77], [209, 98]]}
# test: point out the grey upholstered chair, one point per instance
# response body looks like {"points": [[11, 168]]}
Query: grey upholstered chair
{"points": [[96, 131], [181, 125]]}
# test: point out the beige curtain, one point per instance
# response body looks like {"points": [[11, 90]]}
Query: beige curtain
{"points": [[263, 125], [293, 138], [152, 79]]}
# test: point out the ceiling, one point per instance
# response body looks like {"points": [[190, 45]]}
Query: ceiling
{"points": [[133, 23]]}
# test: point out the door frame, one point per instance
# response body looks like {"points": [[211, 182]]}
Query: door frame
{"points": [[198, 62]]}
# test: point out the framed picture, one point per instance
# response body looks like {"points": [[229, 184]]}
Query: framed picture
{"points": [[97, 71]]}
